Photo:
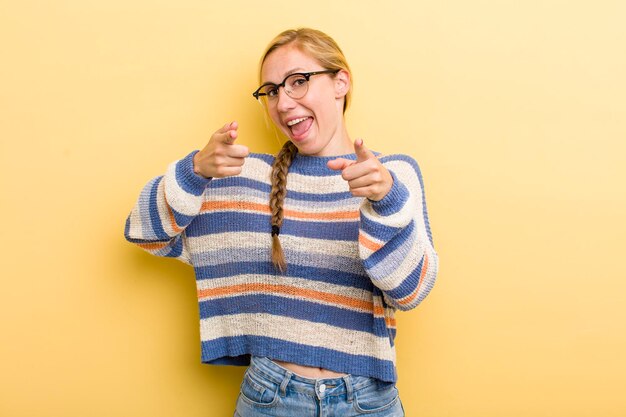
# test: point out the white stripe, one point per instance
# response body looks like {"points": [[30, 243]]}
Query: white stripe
{"points": [[135, 229], [164, 215], [403, 266], [304, 332], [411, 207], [263, 241], [256, 169], [263, 200], [177, 198], [312, 184], [297, 182]]}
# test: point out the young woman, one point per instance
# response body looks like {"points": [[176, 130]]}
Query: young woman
{"points": [[301, 259]]}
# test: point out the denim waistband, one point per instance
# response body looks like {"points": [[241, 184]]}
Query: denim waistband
{"points": [[344, 385]]}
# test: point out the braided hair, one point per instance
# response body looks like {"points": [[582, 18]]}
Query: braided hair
{"points": [[324, 49], [280, 168]]}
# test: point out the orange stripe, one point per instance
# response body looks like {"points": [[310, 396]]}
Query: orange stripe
{"points": [[412, 296], [289, 290], [153, 245], [175, 227], [264, 208], [236, 205], [332, 215], [369, 244]]}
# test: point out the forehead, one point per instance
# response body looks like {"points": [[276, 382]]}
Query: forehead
{"points": [[285, 60]]}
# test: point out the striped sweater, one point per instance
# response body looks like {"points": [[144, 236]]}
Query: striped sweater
{"points": [[351, 262]]}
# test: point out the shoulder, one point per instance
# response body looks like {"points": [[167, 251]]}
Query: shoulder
{"points": [[262, 157], [257, 165], [405, 169], [400, 162]]}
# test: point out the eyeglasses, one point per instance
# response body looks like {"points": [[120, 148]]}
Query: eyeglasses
{"points": [[295, 85]]}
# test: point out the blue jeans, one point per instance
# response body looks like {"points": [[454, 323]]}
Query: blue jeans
{"points": [[271, 390]]}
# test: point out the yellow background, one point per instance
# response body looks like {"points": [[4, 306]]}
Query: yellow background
{"points": [[515, 110]]}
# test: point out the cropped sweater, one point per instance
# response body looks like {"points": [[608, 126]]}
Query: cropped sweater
{"points": [[351, 262]]}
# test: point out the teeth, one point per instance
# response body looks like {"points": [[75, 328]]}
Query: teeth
{"points": [[296, 121]]}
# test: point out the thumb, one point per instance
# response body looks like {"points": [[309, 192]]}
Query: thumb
{"points": [[362, 153], [339, 164]]}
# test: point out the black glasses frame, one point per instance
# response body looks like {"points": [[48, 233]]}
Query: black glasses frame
{"points": [[306, 75]]}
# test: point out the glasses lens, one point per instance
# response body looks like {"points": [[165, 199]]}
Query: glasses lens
{"points": [[268, 90], [296, 85]]}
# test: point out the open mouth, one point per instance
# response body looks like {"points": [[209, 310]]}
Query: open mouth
{"points": [[299, 127]]}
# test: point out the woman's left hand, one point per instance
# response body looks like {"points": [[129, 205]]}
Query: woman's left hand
{"points": [[366, 176]]}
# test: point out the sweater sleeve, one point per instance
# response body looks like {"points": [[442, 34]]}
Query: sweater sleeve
{"points": [[395, 241], [166, 206]]}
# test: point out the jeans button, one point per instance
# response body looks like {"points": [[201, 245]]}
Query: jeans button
{"points": [[322, 388]]}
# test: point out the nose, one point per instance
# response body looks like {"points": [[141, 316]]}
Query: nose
{"points": [[284, 102]]}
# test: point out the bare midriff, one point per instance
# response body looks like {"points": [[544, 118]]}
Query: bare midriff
{"points": [[309, 371]]}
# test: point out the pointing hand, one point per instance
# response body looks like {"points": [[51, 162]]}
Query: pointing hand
{"points": [[366, 176], [221, 157]]}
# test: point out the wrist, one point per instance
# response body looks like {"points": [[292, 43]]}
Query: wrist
{"points": [[196, 166]]}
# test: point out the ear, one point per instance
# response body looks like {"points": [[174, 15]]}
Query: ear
{"points": [[342, 83]]}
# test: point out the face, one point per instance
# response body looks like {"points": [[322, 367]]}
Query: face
{"points": [[314, 123]]}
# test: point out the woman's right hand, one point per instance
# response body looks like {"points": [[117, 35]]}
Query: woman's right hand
{"points": [[221, 157]]}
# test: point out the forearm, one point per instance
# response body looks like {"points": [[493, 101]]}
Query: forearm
{"points": [[395, 242], [166, 206]]}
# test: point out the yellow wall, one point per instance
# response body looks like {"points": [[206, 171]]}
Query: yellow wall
{"points": [[515, 110]]}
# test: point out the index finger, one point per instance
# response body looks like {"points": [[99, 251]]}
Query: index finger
{"points": [[361, 151], [229, 137], [228, 126]]}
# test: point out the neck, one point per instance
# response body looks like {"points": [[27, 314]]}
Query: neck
{"points": [[340, 143]]}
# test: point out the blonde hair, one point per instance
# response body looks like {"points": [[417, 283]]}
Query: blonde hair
{"points": [[325, 50]]}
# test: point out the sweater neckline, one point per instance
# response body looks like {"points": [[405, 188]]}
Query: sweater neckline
{"points": [[317, 162]]}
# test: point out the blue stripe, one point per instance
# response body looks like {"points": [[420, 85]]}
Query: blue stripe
{"points": [[401, 240], [240, 182], [316, 165], [181, 219], [392, 336], [143, 206], [224, 222], [409, 284], [239, 267], [394, 200], [231, 221], [205, 257], [175, 248], [300, 196], [267, 158], [155, 220], [377, 230], [127, 229], [347, 230], [229, 351], [415, 165], [298, 309], [188, 180]]}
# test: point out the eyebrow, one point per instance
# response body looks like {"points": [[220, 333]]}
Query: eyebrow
{"points": [[288, 73]]}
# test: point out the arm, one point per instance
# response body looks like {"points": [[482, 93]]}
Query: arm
{"points": [[168, 204], [395, 241]]}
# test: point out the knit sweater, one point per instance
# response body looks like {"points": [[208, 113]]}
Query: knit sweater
{"points": [[351, 262]]}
